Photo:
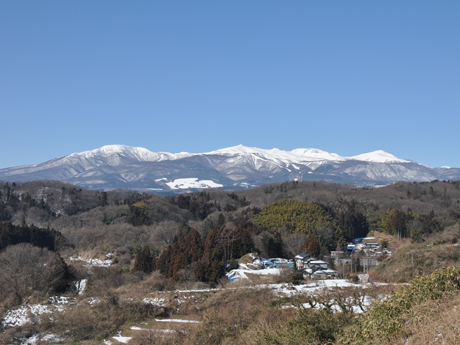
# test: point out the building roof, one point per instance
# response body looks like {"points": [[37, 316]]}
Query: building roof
{"points": [[304, 255]]}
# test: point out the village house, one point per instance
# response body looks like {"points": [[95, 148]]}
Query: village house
{"points": [[301, 260], [312, 267]]}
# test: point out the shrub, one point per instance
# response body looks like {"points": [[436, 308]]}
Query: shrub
{"points": [[386, 319], [233, 265], [297, 278], [310, 327]]}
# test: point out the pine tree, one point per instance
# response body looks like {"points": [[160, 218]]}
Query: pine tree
{"points": [[193, 247], [143, 261], [312, 246], [165, 260], [210, 268]]}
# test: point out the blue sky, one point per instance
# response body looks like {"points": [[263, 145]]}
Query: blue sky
{"points": [[347, 77]]}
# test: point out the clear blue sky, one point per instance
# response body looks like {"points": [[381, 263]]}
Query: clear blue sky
{"points": [[347, 77]]}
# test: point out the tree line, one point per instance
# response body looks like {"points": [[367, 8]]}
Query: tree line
{"points": [[43, 238]]}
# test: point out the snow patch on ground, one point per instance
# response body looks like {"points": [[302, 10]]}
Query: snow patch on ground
{"points": [[135, 328], [177, 320], [160, 302], [187, 183], [94, 262], [25, 313], [122, 339], [93, 300]]}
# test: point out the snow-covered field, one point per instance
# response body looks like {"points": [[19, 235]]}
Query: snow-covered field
{"points": [[315, 286], [188, 183], [25, 313], [34, 312]]}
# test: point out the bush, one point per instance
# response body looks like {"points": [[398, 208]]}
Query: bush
{"points": [[297, 278], [310, 327], [386, 319], [233, 264]]}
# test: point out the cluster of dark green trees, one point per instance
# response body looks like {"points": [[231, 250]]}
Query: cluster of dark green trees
{"points": [[327, 225], [137, 216], [198, 204], [145, 261], [205, 258], [43, 238], [405, 224]]}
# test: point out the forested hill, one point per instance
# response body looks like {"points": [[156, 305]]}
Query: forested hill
{"points": [[416, 208], [192, 237]]}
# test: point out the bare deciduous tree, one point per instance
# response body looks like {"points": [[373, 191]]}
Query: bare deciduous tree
{"points": [[23, 269]]}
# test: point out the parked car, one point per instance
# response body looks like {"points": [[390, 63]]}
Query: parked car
{"points": [[279, 262]]}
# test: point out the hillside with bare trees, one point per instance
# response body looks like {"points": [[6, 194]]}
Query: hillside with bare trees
{"points": [[54, 236]]}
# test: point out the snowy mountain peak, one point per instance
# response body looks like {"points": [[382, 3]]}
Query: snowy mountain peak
{"points": [[115, 152], [379, 156], [121, 166], [238, 149], [318, 154], [138, 153]]}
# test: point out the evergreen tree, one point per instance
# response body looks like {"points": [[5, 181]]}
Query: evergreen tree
{"points": [[331, 263], [210, 268], [359, 267], [137, 216], [165, 260], [338, 248], [312, 246], [60, 277], [193, 247], [220, 220], [275, 246], [144, 261], [233, 265]]}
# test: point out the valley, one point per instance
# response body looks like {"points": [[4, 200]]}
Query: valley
{"points": [[141, 258]]}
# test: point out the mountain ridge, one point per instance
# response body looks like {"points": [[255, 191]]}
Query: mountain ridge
{"points": [[137, 168]]}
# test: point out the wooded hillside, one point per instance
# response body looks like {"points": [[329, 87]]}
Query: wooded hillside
{"points": [[161, 243]]}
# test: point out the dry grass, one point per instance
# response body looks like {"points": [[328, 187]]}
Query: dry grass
{"points": [[245, 259], [393, 241], [442, 325], [228, 314], [438, 323], [261, 279], [417, 259]]}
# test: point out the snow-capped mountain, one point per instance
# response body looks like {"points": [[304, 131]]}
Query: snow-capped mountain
{"points": [[119, 166]]}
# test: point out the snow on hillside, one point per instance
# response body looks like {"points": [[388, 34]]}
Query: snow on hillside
{"points": [[114, 152], [94, 262], [315, 154], [193, 182], [25, 313], [120, 166], [280, 156]]}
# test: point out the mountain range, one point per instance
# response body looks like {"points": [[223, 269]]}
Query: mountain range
{"points": [[238, 167]]}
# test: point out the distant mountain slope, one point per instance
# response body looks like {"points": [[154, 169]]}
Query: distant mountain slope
{"points": [[119, 166]]}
